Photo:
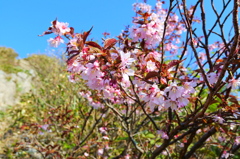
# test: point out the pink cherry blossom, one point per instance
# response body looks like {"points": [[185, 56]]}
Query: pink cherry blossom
{"points": [[151, 66], [212, 77], [233, 83], [225, 154], [183, 100], [174, 91], [60, 28], [188, 87], [105, 137], [103, 130], [55, 42], [218, 119], [237, 140], [100, 152], [127, 156], [163, 134], [126, 59], [171, 104], [63, 27], [221, 139]]}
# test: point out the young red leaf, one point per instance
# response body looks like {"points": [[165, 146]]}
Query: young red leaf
{"points": [[49, 31], [151, 75], [174, 63], [94, 44], [73, 52], [71, 60], [109, 43], [233, 99], [85, 35]]}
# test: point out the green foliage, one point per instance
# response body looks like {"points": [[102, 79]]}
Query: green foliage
{"points": [[8, 60], [7, 56]]}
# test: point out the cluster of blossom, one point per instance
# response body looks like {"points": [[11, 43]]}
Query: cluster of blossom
{"points": [[173, 96], [123, 76], [212, 77], [150, 26], [59, 29], [107, 77], [94, 104]]}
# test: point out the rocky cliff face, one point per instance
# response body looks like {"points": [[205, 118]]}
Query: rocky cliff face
{"points": [[13, 85]]}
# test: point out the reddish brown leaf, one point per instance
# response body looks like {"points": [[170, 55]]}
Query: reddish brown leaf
{"points": [[71, 59], [142, 44], [54, 22], [73, 52], [85, 35], [109, 43], [174, 63], [151, 75], [233, 99], [139, 22], [72, 31], [49, 31], [217, 66], [94, 50], [94, 44]]}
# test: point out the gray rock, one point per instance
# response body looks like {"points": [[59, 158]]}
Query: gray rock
{"points": [[12, 86]]}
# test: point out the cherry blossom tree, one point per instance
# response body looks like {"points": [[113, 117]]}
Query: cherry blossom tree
{"points": [[166, 89]]}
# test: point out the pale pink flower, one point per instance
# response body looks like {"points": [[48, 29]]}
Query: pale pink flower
{"points": [[171, 104], [177, 41], [212, 77], [60, 28], [174, 91], [199, 131], [105, 137], [157, 56], [225, 154], [183, 100], [232, 126], [100, 152], [126, 59], [107, 147], [164, 153], [72, 44], [86, 154], [44, 127], [103, 130], [163, 134], [237, 140], [151, 66], [159, 98], [63, 27], [202, 56], [127, 156], [233, 83], [188, 87], [181, 145], [126, 73], [159, 5], [71, 78], [218, 119], [221, 139], [55, 42]]}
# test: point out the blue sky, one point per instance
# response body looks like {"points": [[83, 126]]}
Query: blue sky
{"points": [[22, 21]]}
